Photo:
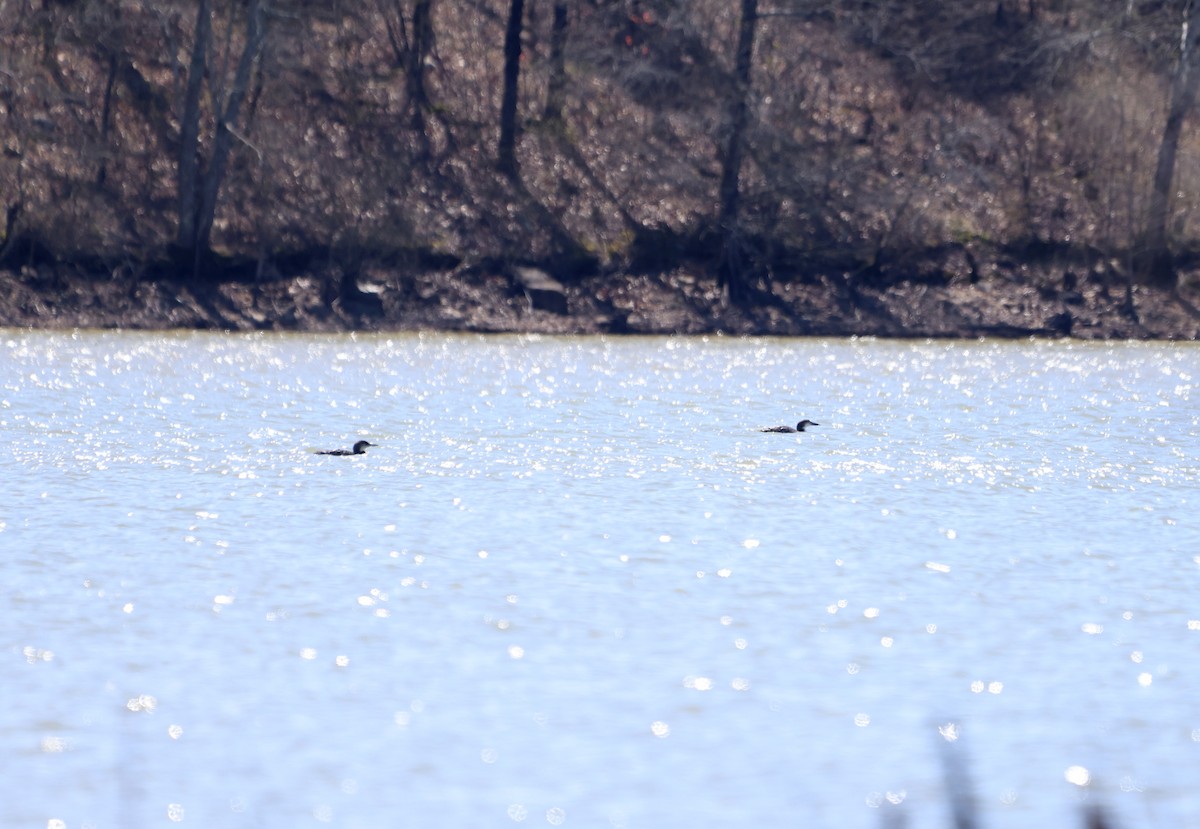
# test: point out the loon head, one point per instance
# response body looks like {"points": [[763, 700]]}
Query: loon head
{"points": [[360, 447], [805, 423]]}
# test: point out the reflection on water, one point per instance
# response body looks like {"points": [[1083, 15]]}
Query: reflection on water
{"points": [[575, 584]]}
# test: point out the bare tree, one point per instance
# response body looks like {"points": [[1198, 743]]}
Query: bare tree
{"points": [[732, 271], [506, 155], [189, 137], [1154, 263], [412, 51], [412, 40], [200, 188], [12, 213], [422, 45], [556, 88]]}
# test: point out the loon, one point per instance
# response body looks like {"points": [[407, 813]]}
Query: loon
{"points": [[800, 427], [360, 448]]}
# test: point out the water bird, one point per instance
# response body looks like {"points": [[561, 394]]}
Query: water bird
{"points": [[800, 427], [360, 448]]}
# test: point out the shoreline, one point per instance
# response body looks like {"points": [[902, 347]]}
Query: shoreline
{"points": [[678, 302]]}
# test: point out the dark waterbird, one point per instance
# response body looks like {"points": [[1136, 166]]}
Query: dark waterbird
{"points": [[800, 427], [360, 448]]}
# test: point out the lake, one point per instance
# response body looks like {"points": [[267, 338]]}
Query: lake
{"points": [[575, 585]]}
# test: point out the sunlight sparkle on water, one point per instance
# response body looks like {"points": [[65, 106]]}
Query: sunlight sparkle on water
{"points": [[1030, 503], [1078, 775], [144, 703]]}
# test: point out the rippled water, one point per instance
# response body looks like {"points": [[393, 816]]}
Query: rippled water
{"points": [[574, 585]]}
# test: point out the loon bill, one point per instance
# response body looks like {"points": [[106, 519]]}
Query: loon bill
{"points": [[360, 448], [800, 427]]}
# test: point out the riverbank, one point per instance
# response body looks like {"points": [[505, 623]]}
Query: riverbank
{"points": [[940, 172], [1005, 303]]}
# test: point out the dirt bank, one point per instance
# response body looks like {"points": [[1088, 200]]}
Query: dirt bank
{"points": [[1010, 303]]}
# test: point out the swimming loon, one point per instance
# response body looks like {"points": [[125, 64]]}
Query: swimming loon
{"points": [[788, 429], [360, 448]]}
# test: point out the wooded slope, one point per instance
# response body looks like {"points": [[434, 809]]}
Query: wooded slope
{"points": [[880, 142]]}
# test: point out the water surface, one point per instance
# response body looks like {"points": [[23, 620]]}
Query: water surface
{"points": [[575, 585]]}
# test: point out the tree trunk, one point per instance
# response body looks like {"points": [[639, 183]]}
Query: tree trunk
{"points": [[556, 88], [189, 137], [199, 190], [11, 214], [422, 44], [1154, 263], [106, 119], [256, 33], [731, 273], [506, 155]]}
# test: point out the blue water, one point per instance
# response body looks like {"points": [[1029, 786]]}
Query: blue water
{"points": [[575, 585]]}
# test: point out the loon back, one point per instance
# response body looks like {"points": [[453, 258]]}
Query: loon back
{"points": [[787, 430], [360, 448]]}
